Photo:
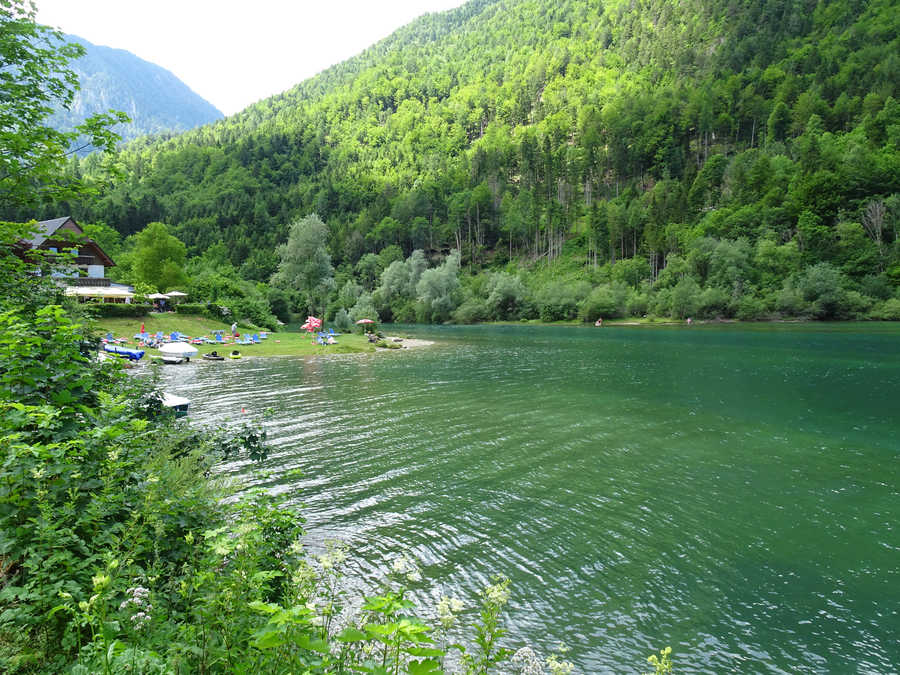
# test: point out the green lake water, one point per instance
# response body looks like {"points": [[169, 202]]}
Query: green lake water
{"points": [[731, 491]]}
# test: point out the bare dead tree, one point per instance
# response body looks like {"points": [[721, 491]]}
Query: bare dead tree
{"points": [[873, 223]]}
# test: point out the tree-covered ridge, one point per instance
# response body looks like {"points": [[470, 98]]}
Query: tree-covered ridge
{"points": [[529, 129]]}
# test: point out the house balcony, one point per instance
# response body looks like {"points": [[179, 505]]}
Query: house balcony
{"points": [[88, 282]]}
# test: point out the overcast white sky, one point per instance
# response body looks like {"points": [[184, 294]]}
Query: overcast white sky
{"points": [[236, 52]]}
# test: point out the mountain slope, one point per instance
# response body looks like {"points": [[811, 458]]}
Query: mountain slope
{"points": [[154, 99], [626, 129]]}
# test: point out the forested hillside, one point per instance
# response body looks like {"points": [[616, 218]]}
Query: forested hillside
{"points": [[668, 157], [153, 98]]}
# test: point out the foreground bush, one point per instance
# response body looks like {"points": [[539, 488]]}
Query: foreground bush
{"points": [[118, 552]]}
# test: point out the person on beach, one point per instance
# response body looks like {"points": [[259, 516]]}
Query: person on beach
{"points": [[234, 329], [599, 322]]}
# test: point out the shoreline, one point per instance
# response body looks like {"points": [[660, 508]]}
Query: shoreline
{"points": [[404, 342], [300, 344]]}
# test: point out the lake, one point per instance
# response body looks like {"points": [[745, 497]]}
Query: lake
{"points": [[731, 491]]}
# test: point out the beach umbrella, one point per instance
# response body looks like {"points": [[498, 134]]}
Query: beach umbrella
{"points": [[361, 321], [311, 324], [176, 296], [178, 349]]}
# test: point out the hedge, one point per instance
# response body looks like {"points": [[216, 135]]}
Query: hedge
{"points": [[120, 309], [209, 310]]}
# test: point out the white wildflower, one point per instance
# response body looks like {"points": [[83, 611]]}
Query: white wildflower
{"points": [[445, 612], [447, 609], [140, 619], [558, 667], [138, 599], [335, 554], [528, 662], [498, 594]]}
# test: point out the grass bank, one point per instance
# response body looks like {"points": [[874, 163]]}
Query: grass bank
{"points": [[277, 344]]}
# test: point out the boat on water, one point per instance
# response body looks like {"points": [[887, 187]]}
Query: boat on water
{"points": [[124, 352], [178, 404], [178, 349], [234, 355], [168, 360]]}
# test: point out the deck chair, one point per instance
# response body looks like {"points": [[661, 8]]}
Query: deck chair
{"points": [[255, 338]]}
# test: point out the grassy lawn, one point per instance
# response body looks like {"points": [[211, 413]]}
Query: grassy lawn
{"points": [[277, 344]]}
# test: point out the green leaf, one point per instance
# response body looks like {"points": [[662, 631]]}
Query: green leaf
{"points": [[313, 644], [381, 628], [264, 607], [426, 667], [115, 648], [268, 638], [266, 575], [371, 667], [423, 651], [351, 634]]}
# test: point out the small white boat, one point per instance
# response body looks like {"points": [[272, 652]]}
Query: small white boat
{"points": [[177, 403], [178, 349], [164, 358]]}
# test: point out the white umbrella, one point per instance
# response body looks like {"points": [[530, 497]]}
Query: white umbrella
{"points": [[98, 292], [157, 296], [178, 349]]}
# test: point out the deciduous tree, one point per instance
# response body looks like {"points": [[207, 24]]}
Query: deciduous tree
{"points": [[305, 262], [158, 258], [35, 76]]}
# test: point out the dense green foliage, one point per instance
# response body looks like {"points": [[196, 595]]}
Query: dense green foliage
{"points": [[619, 144], [120, 553], [34, 78]]}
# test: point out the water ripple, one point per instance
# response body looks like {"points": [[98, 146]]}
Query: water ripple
{"points": [[730, 492]]}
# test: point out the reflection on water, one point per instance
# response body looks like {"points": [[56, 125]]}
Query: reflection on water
{"points": [[729, 491]]}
